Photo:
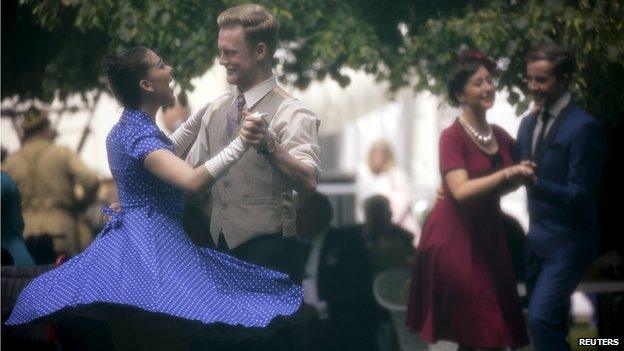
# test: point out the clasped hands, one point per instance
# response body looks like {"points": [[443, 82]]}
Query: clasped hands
{"points": [[254, 131], [522, 173]]}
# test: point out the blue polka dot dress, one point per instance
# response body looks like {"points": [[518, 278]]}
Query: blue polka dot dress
{"points": [[143, 259]]}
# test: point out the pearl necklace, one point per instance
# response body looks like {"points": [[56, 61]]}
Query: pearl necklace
{"points": [[484, 140]]}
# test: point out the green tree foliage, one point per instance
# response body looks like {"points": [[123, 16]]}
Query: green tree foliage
{"points": [[53, 48], [593, 30]]}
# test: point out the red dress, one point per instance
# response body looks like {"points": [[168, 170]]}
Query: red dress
{"points": [[463, 285]]}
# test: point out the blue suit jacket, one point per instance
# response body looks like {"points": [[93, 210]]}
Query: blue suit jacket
{"points": [[562, 205]]}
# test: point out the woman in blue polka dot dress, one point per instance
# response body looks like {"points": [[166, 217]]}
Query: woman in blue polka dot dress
{"points": [[142, 259]]}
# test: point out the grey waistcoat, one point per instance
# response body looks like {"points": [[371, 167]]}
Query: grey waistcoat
{"points": [[251, 199]]}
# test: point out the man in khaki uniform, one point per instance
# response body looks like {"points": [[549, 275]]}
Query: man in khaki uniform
{"points": [[47, 176]]}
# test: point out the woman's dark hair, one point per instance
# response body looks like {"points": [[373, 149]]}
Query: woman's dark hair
{"points": [[466, 64], [124, 71]]}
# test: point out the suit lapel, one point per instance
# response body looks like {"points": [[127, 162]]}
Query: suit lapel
{"points": [[553, 130]]}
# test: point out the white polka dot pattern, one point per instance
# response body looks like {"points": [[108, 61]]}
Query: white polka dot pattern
{"points": [[144, 259]]}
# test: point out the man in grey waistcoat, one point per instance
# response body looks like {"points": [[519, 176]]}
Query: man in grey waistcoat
{"points": [[252, 212]]}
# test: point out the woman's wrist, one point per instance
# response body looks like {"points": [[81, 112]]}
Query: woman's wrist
{"points": [[242, 140], [226, 158], [507, 176]]}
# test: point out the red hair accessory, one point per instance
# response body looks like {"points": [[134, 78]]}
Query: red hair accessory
{"points": [[474, 54]]}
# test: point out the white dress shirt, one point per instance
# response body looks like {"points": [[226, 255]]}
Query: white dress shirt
{"points": [[295, 126], [554, 111]]}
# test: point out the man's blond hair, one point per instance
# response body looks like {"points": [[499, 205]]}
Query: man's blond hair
{"points": [[258, 23]]}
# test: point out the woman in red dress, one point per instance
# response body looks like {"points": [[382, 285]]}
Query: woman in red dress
{"points": [[463, 285]]}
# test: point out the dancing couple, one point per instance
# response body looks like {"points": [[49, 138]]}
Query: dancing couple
{"points": [[463, 287], [251, 148]]}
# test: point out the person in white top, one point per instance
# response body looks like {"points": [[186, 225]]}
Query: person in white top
{"points": [[380, 176]]}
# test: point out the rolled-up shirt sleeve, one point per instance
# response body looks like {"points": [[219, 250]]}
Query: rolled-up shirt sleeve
{"points": [[296, 128]]}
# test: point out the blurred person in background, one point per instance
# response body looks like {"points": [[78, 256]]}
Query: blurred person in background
{"points": [[337, 279], [389, 245], [196, 216], [381, 176], [175, 114], [47, 176], [12, 223], [463, 285]]}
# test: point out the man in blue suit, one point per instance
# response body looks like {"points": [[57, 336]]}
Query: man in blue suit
{"points": [[566, 145]]}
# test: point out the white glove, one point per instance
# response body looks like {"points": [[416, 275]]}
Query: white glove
{"points": [[224, 160], [185, 135]]}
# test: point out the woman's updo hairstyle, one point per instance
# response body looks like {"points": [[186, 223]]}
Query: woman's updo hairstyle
{"points": [[124, 71], [466, 64]]}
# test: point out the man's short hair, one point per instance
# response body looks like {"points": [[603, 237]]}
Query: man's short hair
{"points": [[258, 23], [562, 59], [318, 203], [376, 204]]}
